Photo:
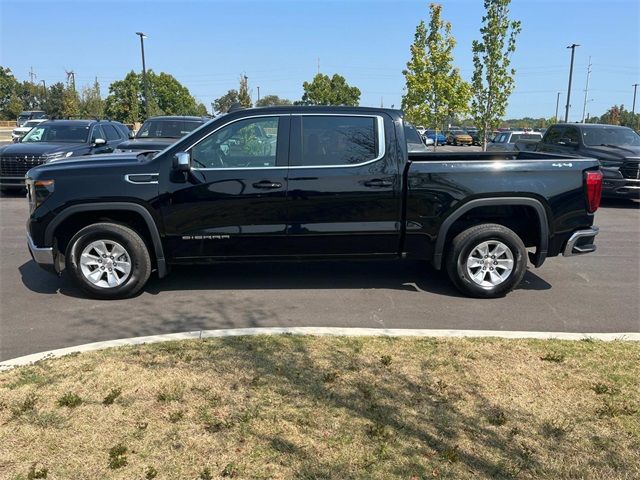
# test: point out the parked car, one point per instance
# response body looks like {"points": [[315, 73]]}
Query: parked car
{"points": [[514, 140], [29, 115], [55, 140], [439, 138], [475, 136], [20, 132], [157, 133], [340, 184], [421, 130], [458, 137], [617, 148]]}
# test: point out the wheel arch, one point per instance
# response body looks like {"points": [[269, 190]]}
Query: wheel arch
{"points": [[535, 205], [111, 208]]}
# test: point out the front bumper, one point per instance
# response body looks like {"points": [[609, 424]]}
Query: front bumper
{"points": [[581, 242], [12, 182], [43, 256], [620, 188]]}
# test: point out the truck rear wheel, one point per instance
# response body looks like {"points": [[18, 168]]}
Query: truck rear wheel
{"points": [[108, 261], [486, 261]]}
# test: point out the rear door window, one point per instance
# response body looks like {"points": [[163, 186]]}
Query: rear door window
{"points": [[111, 133], [334, 140], [553, 135]]}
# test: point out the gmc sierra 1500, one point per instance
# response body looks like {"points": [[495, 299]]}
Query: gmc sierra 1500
{"points": [[308, 182]]}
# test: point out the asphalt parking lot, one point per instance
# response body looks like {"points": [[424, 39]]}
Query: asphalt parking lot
{"points": [[594, 293]]}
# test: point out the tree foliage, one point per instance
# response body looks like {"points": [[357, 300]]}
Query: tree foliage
{"points": [[492, 76], [330, 91], [270, 100], [167, 96], [223, 104], [618, 115], [91, 103], [243, 92], [435, 90]]}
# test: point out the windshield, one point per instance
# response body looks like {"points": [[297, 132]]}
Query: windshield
{"points": [[167, 128], [23, 116], [610, 136], [457, 132], [31, 123], [53, 133]]}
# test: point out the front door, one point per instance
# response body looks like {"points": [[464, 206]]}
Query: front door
{"points": [[344, 186], [232, 202]]}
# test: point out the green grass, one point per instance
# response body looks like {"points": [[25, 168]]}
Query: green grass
{"points": [[332, 408]]}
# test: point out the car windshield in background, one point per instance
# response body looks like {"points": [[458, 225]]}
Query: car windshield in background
{"points": [[57, 134], [525, 136], [610, 136], [31, 123], [458, 132], [22, 118], [167, 128]]}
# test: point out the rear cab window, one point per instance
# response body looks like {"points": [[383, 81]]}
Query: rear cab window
{"points": [[339, 140], [111, 133]]}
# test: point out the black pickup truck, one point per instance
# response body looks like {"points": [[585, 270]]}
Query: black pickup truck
{"points": [[303, 183]]}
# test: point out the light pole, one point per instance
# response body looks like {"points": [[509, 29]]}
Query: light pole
{"points": [[586, 91], [144, 75], [557, 105], [573, 51], [633, 108], [258, 93]]}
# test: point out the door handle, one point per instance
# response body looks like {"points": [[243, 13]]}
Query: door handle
{"points": [[378, 182], [267, 184]]}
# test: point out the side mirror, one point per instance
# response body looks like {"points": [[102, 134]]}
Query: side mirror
{"points": [[182, 162], [99, 141]]}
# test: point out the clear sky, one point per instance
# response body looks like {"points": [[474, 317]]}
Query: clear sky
{"points": [[207, 44]]}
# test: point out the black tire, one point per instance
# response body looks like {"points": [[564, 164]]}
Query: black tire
{"points": [[133, 244], [463, 245]]}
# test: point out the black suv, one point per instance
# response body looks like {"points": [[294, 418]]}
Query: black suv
{"points": [[617, 148], [157, 133], [56, 140]]}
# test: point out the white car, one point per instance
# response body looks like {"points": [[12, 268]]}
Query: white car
{"points": [[20, 132], [514, 141]]}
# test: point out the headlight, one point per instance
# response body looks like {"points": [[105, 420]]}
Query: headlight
{"points": [[40, 191], [57, 156]]}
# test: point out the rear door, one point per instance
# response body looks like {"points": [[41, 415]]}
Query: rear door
{"points": [[344, 185], [232, 202]]}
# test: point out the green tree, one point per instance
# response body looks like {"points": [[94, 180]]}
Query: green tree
{"points": [[330, 91], [243, 92], [435, 90], [223, 104], [54, 103], [13, 107], [8, 94], [70, 103], [269, 100], [124, 102], [167, 96], [492, 76], [91, 103]]}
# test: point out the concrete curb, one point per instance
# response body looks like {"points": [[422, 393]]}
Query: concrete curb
{"points": [[318, 331]]}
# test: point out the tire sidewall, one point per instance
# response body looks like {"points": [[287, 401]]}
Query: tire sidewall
{"points": [[99, 232], [519, 265]]}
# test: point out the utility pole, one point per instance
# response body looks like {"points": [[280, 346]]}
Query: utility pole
{"points": [[144, 75], [566, 111], [633, 108], [71, 79], [318, 65], [381, 103], [44, 85], [32, 75], [586, 90], [557, 105], [258, 93]]}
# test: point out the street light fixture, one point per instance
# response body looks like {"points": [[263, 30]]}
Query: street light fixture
{"points": [[144, 74]]}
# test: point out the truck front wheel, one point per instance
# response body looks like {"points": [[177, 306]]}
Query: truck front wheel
{"points": [[486, 261], [108, 261]]}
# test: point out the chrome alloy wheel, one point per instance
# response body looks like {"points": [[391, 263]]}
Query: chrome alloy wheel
{"points": [[490, 263], [105, 263]]}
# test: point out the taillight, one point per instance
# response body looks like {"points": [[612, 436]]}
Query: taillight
{"points": [[593, 180]]}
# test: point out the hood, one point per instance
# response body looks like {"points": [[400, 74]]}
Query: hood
{"points": [[39, 149], [147, 143], [87, 162], [611, 153]]}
